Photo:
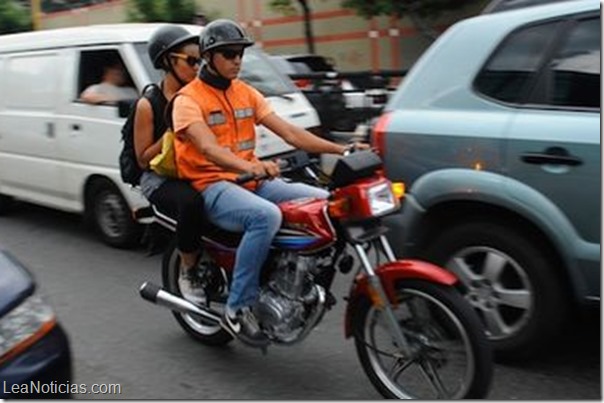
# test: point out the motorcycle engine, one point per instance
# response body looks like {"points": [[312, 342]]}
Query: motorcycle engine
{"points": [[288, 298]]}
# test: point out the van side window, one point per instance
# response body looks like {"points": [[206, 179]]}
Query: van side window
{"points": [[104, 78]]}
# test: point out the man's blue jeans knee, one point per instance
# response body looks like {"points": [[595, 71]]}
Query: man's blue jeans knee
{"points": [[234, 208]]}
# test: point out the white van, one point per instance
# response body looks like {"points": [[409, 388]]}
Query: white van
{"points": [[60, 152]]}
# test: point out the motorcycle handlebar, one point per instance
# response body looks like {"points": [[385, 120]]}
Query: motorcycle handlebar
{"points": [[246, 177], [290, 163]]}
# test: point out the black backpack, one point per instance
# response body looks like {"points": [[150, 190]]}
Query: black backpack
{"points": [[129, 169]]}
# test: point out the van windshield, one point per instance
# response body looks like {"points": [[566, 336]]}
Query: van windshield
{"points": [[258, 71]]}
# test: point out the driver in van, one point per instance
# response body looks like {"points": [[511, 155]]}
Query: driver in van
{"points": [[111, 89], [214, 121]]}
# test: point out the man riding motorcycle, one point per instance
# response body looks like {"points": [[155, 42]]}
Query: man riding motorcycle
{"points": [[214, 118]]}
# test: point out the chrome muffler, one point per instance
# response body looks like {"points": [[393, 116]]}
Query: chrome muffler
{"points": [[157, 295]]}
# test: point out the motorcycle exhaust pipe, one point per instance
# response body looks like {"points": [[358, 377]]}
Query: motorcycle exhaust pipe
{"points": [[157, 295]]}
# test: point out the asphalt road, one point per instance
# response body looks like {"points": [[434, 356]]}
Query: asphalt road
{"points": [[117, 338]]}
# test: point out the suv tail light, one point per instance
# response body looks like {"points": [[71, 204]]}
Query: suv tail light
{"points": [[378, 134]]}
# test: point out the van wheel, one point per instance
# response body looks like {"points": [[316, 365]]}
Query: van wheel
{"points": [[509, 279], [6, 204], [112, 217]]}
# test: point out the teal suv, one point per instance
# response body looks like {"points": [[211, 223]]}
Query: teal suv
{"points": [[496, 133]]}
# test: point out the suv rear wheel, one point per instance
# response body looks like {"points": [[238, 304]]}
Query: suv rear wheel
{"points": [[511, 281]]}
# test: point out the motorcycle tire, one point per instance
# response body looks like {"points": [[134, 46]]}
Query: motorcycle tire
{"points": [[211, 334], [451, 357]]}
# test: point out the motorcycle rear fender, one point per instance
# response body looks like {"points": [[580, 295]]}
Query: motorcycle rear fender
{"points": [[390, 274]]}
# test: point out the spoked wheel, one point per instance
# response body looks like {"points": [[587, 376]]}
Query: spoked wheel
{"points": [[212, 293], [449, 354]]}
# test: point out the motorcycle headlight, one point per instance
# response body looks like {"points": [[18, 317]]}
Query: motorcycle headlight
{"points": [[381, 199], [23, 326]]}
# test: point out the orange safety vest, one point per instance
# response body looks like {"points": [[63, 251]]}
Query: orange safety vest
{"points": [[231, 115]]}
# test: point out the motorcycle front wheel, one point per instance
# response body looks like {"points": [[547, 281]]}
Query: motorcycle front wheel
{"points": [[449, 355], [202, 330]]}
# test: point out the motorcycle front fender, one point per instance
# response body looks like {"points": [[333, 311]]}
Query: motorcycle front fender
{"points": [[390, 274]]}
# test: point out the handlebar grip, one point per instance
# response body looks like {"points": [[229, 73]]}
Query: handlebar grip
{"points": [[246, 177]]}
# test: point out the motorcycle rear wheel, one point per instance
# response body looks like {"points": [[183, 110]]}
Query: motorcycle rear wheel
{"points": [[452, 357], [204, 331]]}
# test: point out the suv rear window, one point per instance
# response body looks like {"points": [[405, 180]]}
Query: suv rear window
{"points": [[519, 73], [573, 74], [507, 75]]}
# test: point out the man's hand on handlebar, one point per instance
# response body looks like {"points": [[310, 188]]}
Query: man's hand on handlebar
{"points": [[356, 146], [265, 169]]}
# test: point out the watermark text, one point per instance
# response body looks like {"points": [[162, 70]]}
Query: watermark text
{"points": [[53, 388]]}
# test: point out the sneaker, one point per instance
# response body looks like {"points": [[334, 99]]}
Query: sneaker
{"points": [[244, 326], [191, 285]]}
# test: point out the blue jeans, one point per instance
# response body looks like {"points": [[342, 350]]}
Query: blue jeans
{"points": [[257, 215]]}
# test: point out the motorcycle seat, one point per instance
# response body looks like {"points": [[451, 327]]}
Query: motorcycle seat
{"points": [[152, 214]]}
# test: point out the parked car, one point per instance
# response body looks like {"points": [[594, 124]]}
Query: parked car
{"points": [[496, 132], [325, 94], [35, 356], [60, 152]]}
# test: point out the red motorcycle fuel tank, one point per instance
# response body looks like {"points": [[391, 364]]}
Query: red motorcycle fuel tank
{"points": [[306, 226]]}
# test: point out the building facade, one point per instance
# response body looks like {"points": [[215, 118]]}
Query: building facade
{"points": [[352, 42]]}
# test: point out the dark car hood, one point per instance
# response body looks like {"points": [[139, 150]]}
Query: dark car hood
{"points": [[16, 283]]}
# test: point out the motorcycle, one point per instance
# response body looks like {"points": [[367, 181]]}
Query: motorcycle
{"points": [[414, 333]]}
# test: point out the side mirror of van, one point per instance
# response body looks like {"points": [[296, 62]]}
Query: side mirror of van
{"points": [[123, 107]]}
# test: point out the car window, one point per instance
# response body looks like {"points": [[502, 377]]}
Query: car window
{"points": [[283, 65], [258, 71], [93, 69], [301, 68], [574, 71], [509, 72]]}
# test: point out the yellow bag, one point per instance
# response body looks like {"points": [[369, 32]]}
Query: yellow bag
{"points": [[164, 163]]}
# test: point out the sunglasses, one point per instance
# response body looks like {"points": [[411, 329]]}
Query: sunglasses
{"points": [[230, 54], [191, 60]]}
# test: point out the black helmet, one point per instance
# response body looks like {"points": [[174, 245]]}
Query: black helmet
{"points": [[167, 38], [222, 33]]}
